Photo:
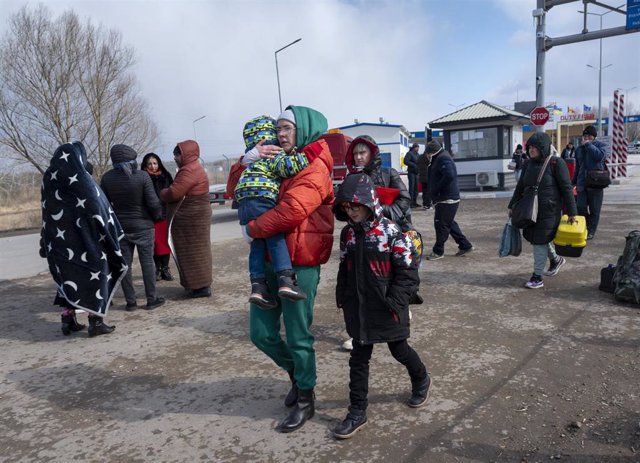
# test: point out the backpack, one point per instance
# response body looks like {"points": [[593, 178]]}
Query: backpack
{"points": [[626, 278], [234, 176], [414, 235]]}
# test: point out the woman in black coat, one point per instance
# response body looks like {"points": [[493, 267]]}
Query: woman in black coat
{"points": [[555, 187], [161, 179], [363, 156]]}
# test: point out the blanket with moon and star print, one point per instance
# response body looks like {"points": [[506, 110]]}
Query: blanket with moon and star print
{"points": [[80, 234]]}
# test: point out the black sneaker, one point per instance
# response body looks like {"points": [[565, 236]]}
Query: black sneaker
{"points": [[157, 302], [433, 256], [200, 292], [554, 267], [289, 289], [534, 282], [355, 420], [462, 252], [130, 307], [260, 296]]}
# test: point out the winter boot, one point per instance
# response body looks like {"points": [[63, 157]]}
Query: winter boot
{"points": [[260, 295], [420, 392], [355, 420], [303, 410], [98, 327], [288, 288], [165, 274], [70, 323], [156, 260], [292, 396]]}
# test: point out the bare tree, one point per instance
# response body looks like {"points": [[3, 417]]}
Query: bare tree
{"points": [[62, 81]]}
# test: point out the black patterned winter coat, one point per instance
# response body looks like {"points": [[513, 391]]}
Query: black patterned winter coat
{"points": [[377, 274]]}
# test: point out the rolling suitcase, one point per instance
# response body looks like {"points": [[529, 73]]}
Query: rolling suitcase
{"points": [[570, 240]]}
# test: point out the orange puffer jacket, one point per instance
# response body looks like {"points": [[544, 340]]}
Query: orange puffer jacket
{"points": [[191, 179], [303, 211]]}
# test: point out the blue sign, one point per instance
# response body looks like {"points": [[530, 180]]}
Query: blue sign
{"points": [[633, 14]]}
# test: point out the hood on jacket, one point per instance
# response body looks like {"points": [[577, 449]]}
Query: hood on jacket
{"points": [[541, 141], [122, 153], [148, 156], [310, 124], [375, 160], [189, 150], [357, 189]]}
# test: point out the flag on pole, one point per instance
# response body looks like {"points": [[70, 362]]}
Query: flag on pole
{"points": [[586, 108], [570, 110]]}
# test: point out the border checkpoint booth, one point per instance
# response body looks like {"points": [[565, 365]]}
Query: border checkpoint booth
{"points": [[482, 138]]}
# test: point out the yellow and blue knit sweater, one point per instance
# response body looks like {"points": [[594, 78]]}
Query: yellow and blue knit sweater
{"points": [[261, 179]]}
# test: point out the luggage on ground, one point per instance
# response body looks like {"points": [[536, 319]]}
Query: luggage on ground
{"points": [[606, 279], [626, 278]]}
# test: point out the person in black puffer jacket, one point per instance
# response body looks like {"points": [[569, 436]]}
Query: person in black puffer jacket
{"points": [[131, 194], [377, 276], [555, 187], [445, 195], [363, 156], [161, 179]]}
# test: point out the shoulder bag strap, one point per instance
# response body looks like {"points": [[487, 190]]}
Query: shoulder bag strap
{"points": [[544, 167]]}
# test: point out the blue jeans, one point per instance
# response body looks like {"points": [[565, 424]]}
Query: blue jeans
{"points": [[589, 204], [252, 208], [542, 252], [413, 187]]}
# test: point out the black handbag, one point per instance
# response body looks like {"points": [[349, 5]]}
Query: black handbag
{"points": [[597, 179], [524, 212]]}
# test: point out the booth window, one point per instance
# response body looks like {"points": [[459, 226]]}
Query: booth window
{"points": [[506, 145], [475, 143]]}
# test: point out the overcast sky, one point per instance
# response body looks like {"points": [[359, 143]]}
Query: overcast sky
{"points": [[409, 62]]}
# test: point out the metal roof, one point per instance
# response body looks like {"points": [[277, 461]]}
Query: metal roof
{"points": [[478, 111]]}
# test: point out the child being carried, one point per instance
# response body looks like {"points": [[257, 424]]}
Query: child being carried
{"points": [[257, 192]]}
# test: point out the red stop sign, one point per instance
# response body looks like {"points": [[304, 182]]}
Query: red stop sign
{"points": [[539, 116]]}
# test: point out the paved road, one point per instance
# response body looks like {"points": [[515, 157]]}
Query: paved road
{"points": [[518, 375], [19, 254]]}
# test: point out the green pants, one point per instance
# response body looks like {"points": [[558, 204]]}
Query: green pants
{"points": [[297, 352]]}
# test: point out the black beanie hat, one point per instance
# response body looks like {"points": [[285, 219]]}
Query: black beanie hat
{"points": [[519, 147], [433, 147], [590, 130], [122, 153]]}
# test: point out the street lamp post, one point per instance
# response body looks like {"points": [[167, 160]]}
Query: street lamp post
{"points": [[194, 126], [278, 73], [600, 68]]}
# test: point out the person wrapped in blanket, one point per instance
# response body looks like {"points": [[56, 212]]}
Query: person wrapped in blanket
{"points": [[80, 238], [257, 192]]}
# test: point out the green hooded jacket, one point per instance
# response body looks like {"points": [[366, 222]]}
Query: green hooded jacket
{"points": [[310, 124]]}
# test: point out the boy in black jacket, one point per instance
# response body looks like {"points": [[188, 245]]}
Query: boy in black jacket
{"points": [[376, 278]]}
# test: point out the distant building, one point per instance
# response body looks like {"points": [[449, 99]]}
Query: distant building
{"points": [[482, 138], [392, 139]]}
